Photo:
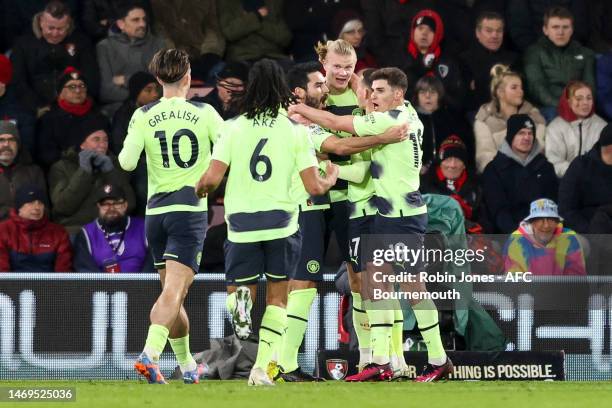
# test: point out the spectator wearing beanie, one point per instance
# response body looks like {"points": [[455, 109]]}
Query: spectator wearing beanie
{"points": [[75, 179], [577, 128], [586, 187], [29, 242], [231, 82], [348, 26], [16, 168], [449, 176], [127, 50], [61, 127], [41, 56], [424, 56], [518, 175], [12, 109]]}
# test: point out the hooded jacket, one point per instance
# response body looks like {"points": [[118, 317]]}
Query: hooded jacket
{"points": [[490, 130], [433, 63], [120, 55], [561, 256], [510, 184], [585, 187], [34, 246], [568, 137], [38, 64]]}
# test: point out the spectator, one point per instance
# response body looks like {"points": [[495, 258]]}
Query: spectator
{"points": [[192, 26], [310, 22], [61, 127], [124, 53], [424, 56], [39, 57], [604, 84], [11, 108], [144, 89], [518, 175], [99, 16], [507, 99], [556, 59], [525, 19], [114, 242], [349, 27], [75, 179], [439, 122], [230, 84], [586, 187], [254, 29], [576, 130], [450, 176], [29, 242], [600, 31], [478, 60], [16, 168], [542, 246]]}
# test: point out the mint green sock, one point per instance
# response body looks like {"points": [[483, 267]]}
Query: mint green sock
{"points": [[273, 325], [156, 341], [298, 310], [230, 302], [180, 346], [426, 315], [381, 324]]}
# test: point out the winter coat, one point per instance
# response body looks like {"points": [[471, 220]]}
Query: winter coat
{"points": [[250, 36], [74, 191], [567, 140], [191, 25], [490, 131], [59, 130], [120, 55], [604, 84], [525, 19], [34, 246], [584, 188], [549, 68], [11, 108], [21, 173], [561, 256], [600, 38], [476, 64], [37, 65], [510, 185], [95, 11]]}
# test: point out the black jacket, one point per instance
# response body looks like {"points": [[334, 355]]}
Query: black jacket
{"points": [[586, 186], [509, 187]]}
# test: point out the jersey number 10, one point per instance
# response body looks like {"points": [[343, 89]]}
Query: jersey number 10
{"points": [[163, 144]]}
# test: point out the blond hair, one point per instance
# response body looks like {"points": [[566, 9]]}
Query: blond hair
{"points": [[499, 73], [339, 46]]}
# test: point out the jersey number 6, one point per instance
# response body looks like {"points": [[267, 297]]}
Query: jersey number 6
{"points": [[260, 158], [161, 135]]}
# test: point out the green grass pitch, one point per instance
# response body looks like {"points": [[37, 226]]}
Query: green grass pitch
{"points": [[130, 393]]}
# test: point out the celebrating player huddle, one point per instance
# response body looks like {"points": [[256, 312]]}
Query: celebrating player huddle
{"points": [[294, 172]]}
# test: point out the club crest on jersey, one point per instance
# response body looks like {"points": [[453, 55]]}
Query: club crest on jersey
{"points": [[336, 368]]}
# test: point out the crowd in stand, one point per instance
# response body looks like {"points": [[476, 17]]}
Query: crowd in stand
{"points": [[514, 95]]}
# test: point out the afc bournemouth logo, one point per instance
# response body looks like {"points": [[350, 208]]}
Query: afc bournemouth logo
{"points": [[336, 368], [108, 188], [71, 49]]}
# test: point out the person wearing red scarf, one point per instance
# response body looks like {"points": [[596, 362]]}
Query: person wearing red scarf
{"points": [[62, 127], [424, 56]]}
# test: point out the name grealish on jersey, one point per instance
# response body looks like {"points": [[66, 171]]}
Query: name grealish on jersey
{"points": [[178, 114]]}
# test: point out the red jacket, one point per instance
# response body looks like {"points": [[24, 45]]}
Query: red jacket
{"points": [[34, 246]]}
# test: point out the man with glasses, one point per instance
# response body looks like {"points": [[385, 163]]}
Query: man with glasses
{"points": [[114, 242], [41, 55], [16, 168]]}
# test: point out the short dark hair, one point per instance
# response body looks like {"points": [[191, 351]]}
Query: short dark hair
{"points": [[169, 65], [395, 77], [297, 77], [366, 76], [124, 9], [57, 9], [428, 82], [559, 12], [488, 15]]}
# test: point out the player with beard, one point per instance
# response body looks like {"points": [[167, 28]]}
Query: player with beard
{"points": [[400, 210]]}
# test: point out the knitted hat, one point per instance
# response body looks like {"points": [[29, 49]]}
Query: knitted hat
{"points": [[6, 70], [28, 193], [69, 74], [516, 123], [138, 82], [428, 21], [235, 69], [605, 137], [453, 146], [90, 124], [340, 21], [8, 127]]}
